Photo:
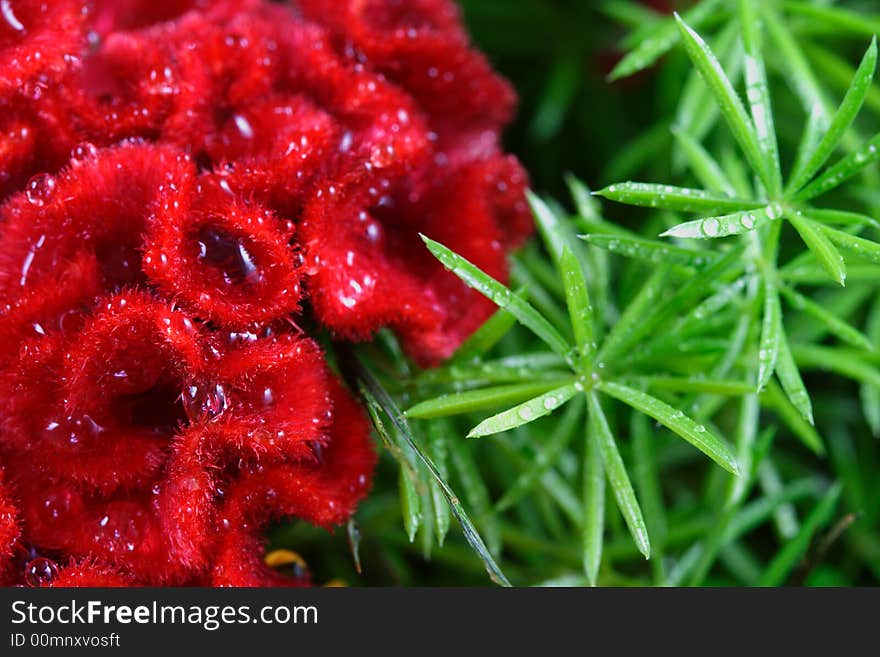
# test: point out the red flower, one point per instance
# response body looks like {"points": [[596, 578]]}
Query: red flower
{"points": [[183, 180]]}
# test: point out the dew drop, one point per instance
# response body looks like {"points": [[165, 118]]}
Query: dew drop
{"points": [[205, 401], [40, 572], [710, 227], [526, 413], [40, 188], [82, 153]]}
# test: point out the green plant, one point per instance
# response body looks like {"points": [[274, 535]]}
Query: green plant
{"points": [[612, 344]]}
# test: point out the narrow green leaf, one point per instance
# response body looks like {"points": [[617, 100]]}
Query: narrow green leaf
{"points": [[758, 94], [724, 226], [814, 130], [846, 168], [547, 455], [487, 336], [587, 205], [526, 412], [696, 434], [800, 75], [793, 551], [774, 398], [481, 399], [651, 251], [871, 394], [827, 255], [669, 197], [841, 217], [771, 329], [792, 383], [438, 433], [698, 385], [842, 120], [580, 309], [834, 324], [409, 505], [838, 19], [851, 365], [500, 295], [618, 476], [704, 166], [731, 105], [592, 533], [659, 40], [647, 298], [378, 400], [856, 245]]}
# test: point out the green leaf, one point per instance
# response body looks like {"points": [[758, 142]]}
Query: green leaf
{"points": [[696, 434], [526, 412], [846, 168], [633, 316], [871, 394], [841, 217], [758, 94], [379, 401], [704, 166], [580, 309], [547, 455], [410, 505], [838, 19], [618, 476], [848, 364], [771, 329], [481, 399], [593, 530], [731, 106], [500, 295], [842, 120], [793, 551], [827, 255], [487, 336], [669, 197], [439, 452], [651, 251], [724, 226], [856, 245], [698, 385], [814, 130], [792, 383], [659, 40], [834, 324]]}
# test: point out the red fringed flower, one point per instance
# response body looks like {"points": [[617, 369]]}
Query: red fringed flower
{"points": [[183, 181]]}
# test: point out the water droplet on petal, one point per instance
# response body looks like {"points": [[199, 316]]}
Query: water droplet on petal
{"points": [[82, 153], [40, 572], [40, 188]]}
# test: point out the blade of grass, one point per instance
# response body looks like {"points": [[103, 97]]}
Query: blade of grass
{"points": [[580, 309], [679, 423], [870, 394], [856, 245], [618, 477]]}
